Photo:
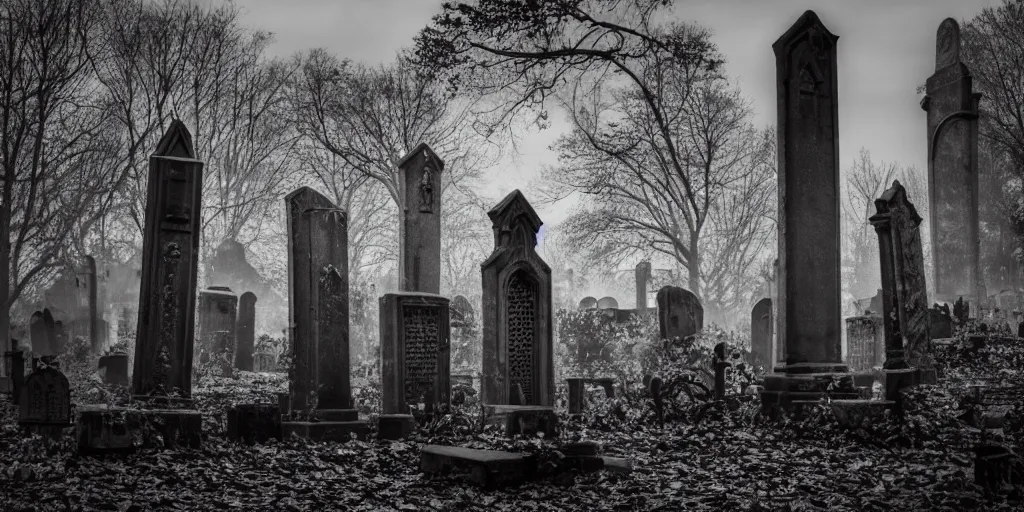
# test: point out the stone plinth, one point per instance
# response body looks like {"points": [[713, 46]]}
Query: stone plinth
{"points": [[952, 124], [486, 468], [245, 330], [170, 259], [809, 306], [526, 420], [419, 236], [339, 431], [395, 426], [415, 351], [102, 429], [254, 423], [517, 323]]}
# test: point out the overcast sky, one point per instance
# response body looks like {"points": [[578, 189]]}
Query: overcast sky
{"points": [[886, 50]]}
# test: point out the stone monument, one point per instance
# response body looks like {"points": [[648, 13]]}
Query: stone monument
{"points": [[517, 325], [246, 331], [415, 341], [761, 333], [319, 387], [680, 313], [953, 183], [419, 236], [218, 312]]}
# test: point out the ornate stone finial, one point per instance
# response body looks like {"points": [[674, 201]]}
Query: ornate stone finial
{"points": [[947, 44]]}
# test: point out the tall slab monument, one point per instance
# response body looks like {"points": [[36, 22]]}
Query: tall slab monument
{"points": [[516, 310], [170, 259], [643, 276], [319, 386], [419, 246], [809, 306], [953, 183]]}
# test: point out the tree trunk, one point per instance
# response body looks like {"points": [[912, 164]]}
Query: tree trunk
{"points": [[694, 267]]}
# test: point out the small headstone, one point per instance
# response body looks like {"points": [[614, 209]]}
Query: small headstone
{"points": [[415, 351], [587, 303], [115, 369], [607, 303], [45, 399], [40, 342], [245, 331], [761, 333], [680, 313], [218, 313], [941, 321]]}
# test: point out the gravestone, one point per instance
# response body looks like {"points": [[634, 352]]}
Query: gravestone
{"points": [[218, 312], [462, 313], [941, 321], [643, 276], [761, 333], [587, 303], [415, 343], [953, 183], [96, 335], [809, 305], [517, 324], [904, 299], [607, 303], [318, 288], [45, 399], [680, 313], [170, 258], [865, 337], [245, 331], [419, 236], [114, 368], [37, 331]]}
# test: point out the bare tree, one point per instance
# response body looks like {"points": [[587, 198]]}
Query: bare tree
{"points": [[55, 140]]}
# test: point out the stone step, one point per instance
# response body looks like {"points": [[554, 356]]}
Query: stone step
{"points": [[486, 468]]}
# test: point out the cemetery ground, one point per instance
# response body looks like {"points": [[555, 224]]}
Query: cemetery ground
{"points": [[709, 456]]}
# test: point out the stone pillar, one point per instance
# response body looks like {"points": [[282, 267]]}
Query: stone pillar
{"points": [[761, 333], [809, 305], [318, 282], [419, 266], [218, 312], [415, 348], [680, 313], [953, 183], [95, 335], [779, 349], [246, 331], [643, 275], [170, 258], [516, 311], [905, 314]]}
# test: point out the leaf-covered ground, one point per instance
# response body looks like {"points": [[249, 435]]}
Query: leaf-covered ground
{"points": [[729, 460]]}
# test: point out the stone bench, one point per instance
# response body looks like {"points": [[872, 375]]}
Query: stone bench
{"points": [[486, 468]]}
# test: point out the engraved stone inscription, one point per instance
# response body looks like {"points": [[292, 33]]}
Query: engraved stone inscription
{"points": [[422, 327], [522, 322]]}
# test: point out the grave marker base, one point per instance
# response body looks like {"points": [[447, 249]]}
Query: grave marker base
{"points": [[486, 468], [340, 431], [103, 429], [525, 420], [336, 414], [395, 426]]}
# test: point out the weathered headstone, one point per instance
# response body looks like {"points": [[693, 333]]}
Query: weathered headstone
{"points": [[45, 399], [245, 331], [941, 321], [96, 335], [680, 313], [643, 276], [419, 250], [587, 303], [517, 325], [415, 345], [809, 305], [607, 303], [865, 337], [461, 312], [761, 333], [170, 258], [114, 368], [904, 299], [318, 280], [218, 312], [37, 330], [953, 183]]}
